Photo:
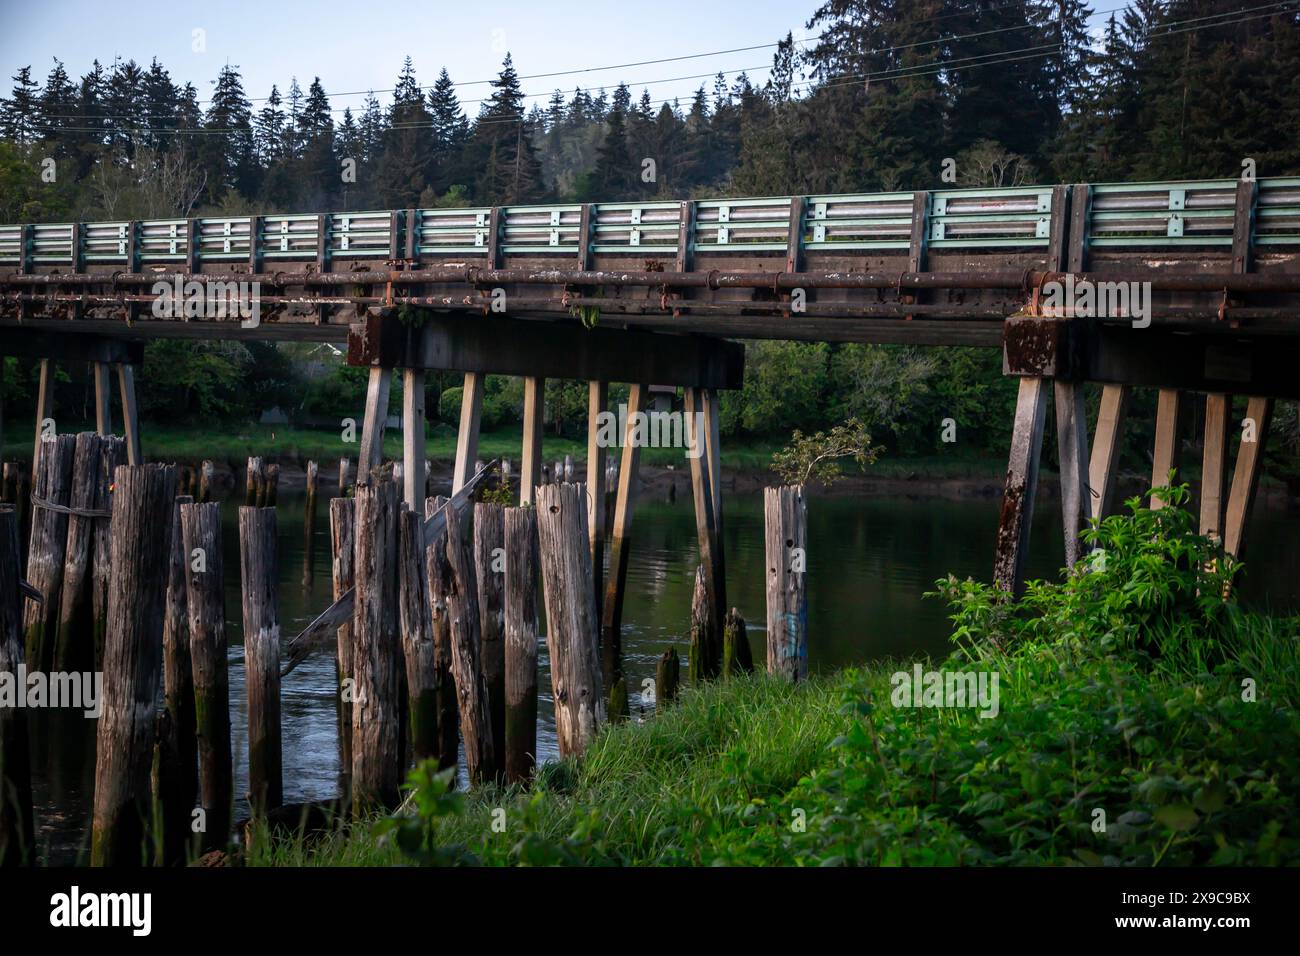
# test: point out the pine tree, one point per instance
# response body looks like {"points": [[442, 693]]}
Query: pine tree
{"points": [[450, 134], [511, 172], [406, 158], [19, 113], [160, 102], [57, 109], [227, 151]]}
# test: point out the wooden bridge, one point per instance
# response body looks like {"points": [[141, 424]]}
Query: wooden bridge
{"points": [[650, 293]]}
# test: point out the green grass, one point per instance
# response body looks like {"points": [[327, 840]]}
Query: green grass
{"points": [[1142, 719], [234, 442]]}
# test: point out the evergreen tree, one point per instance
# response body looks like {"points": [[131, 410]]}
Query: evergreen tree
{"points": [[19, 114], [227, 152], [511, 172], [406, 159]]}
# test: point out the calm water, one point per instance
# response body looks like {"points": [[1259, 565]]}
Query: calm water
{"points": [[870, 561]]}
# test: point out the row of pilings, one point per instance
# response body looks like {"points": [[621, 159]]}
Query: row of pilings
{"points": [[440, 651]]}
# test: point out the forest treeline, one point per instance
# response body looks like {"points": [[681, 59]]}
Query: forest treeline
{"points": [[875, 95]]}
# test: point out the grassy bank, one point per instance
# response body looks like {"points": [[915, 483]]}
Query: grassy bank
{"points": [[236, 442], [1141, 719]]}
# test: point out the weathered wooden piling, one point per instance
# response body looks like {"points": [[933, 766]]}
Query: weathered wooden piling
{"points": [[254, 477], [706, 656], [785, 518], [736, 656], [177, 785], [206, 606], [142, 516], [74, 648], [207, 481], [343, 477], [668, 674], [46, 555], [343, 516], [258, 572], [17, 824], [417, 637], [571, 627], [520, 644], [377, 732], [489, 572], [271, 488], [112, 454], [309, 526], [438, 577], [471, 686]]}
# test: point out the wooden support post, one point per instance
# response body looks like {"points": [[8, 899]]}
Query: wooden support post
{"points": [[103, 398], [260, 588], [417, 637], [668, 674], [611, 640], [46, 556], [413, 444], [44, 410], [142, 516], [130, 416], [706, 650], [112, 451], [1103, 468], [1245, 476], [489, 573], [372, 425], [530, 462], [521, 644], [17, 823], [1072, 450], [1214, 464], [1021, 486], [255, 482], [471, 689], [176, 787], [736, 655], [471, 410], [378, 733], [785, 537], [570, 616], [597, 403], [205, 599], [1169, 408], [343, 477], [74, 648], [713, 449], [342, 547], [207, 481], [706, 644], [270, 486], [437, 571]]}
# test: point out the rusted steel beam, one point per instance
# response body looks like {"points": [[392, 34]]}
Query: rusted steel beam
{"points": [[1023, 280]]}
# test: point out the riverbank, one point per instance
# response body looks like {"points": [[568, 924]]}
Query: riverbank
{"points": [[664, 471], [1124, 717], [754, 772]]}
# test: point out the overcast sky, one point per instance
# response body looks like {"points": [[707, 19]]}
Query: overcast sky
{"points": [[357, 46]]}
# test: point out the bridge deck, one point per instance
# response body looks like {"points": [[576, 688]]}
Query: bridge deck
{"points": [[943, 267]]}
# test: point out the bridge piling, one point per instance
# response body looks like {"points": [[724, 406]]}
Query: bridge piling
{"points": [[1103, 467], [437, 572], [1072, 452], [471, 413], [597, 473], [130, 415], [141, 552], [611, 639], [489, 545], [17, 823], [177, 764], [205, 604], [1012, 543], [261, 613], [530, 460], [417, 637], [1245, 476], [342, 577], [49, 541], [521, 544], [1170, 407], [467, 670]]}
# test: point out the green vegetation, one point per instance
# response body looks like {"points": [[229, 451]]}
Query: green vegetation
{"points": [[1134, 693]]}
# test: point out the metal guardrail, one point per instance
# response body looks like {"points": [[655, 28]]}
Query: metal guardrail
{"points": [[1136, 216]]}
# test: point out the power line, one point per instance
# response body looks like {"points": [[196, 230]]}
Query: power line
{"points": [[928, 69]]}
